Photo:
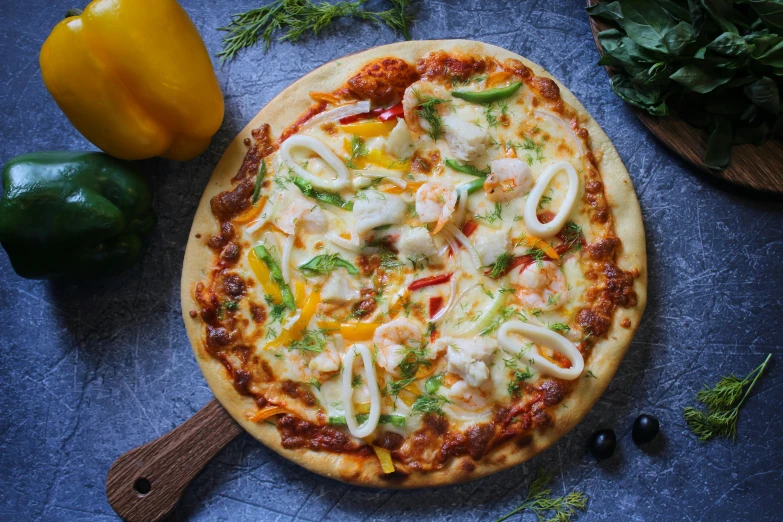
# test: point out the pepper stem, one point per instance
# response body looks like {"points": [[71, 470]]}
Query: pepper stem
{"points": [[74, 11]]}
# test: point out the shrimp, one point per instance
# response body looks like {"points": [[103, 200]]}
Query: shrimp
{"points": [[509, 178], [392, 340], [540, 286], [304, 366], [435, 201], [417, 93], [301, 212], [468, 397]]}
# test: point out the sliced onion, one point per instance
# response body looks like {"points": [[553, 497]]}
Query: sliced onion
{"points": [[450, 304], [350, 245], [445, 247], [545, 230], [288, 246], [452, 243], [467, 416], [264, 219], [326, 154], [338, 113], [485, 318], [394, 180], [565, 126], [462, 238]]}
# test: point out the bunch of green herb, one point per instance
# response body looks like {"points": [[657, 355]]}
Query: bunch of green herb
{"points": [[723, 403], [295, 18], [542, 504], [715, 64]]}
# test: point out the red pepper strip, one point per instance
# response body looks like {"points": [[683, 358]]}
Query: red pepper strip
{"points": [[363, 116], [430, 281], [469, 227], [436, 303], [434, 334], [523, 261], [395, 111]]}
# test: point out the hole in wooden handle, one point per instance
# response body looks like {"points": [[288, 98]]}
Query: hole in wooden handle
{"points": [[145, 483]]}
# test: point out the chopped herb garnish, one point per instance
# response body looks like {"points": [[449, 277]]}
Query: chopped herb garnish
{"points": [[560, 327], [314, 382], [430, 404], [428, 112], [312, 341], [495, 215], [432, 384], [357, 381], [358, 149], [500, 265]]}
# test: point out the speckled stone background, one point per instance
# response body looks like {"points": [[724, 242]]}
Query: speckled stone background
{"points": [[90, 371]]}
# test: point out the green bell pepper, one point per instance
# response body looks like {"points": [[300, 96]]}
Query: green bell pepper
{"points": [[488, 96], [73, 214]]}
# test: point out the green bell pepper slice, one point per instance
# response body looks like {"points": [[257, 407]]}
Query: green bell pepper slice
{"points": [[73, 214], [324, 196], [467, 169], [488, 96]]}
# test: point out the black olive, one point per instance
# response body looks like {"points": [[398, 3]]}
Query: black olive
{"points": [[645, 428], [602, 444]]}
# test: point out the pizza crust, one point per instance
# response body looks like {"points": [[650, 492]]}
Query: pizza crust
{"points": [[606, 354]]}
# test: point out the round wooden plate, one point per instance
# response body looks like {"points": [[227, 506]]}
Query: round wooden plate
{"points": [[756, 167]]}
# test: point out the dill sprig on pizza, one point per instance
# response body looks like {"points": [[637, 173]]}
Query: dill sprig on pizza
{"points": [[419, 259]]}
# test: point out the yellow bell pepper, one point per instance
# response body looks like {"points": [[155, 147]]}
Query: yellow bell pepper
{"points": [[352, 331], [134, 77], [378, 158], [294, 333], [384, 458], [369, 129], [264, 278]]}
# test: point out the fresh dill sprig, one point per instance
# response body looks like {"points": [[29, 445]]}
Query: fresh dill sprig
{"points": [[358, 149], [500, 265], [312, 341], [538, 501], [428, 112], [398, 17], [527, 143], [295, 18], [723, 403], [430, 404], [495, 215]]}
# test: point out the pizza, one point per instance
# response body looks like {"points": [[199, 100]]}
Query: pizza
{"points": [[416, 266]]}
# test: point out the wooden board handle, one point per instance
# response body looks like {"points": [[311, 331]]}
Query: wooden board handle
{"points": [[145, 483]]}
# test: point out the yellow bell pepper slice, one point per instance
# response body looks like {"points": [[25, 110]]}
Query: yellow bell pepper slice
{"points": [[369, 129], [264, 278], [534, 242], [135, 78], [377, 158], [352, 331], [384, 457], [412, 186], [250, 214], [294, 333]]}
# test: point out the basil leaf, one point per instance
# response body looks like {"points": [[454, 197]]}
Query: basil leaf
{"points": [[718, 152], [770, 12], [646, 23], [721, 11], [697, 79], [606, 10], [764, 93], [675, 11], [773, 56], [680, 36], [645, 98], [326, 263], [730, 44]]}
